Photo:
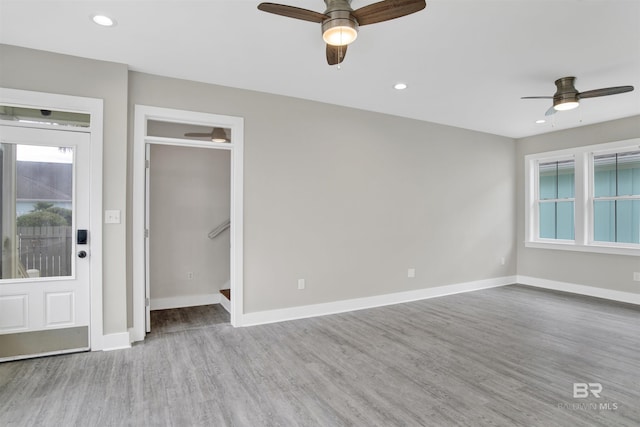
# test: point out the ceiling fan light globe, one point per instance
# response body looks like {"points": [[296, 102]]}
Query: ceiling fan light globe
{"points": [[218, 135], [340, 36], [340, 29], [565, 106]]}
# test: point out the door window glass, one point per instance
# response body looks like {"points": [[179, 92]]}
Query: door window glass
{"points": [[37, 211]]}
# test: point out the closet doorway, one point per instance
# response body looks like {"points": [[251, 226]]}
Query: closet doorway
{"points": [[188, 241], [187, 214]]}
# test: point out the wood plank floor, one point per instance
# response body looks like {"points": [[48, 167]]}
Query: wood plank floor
{"points": [[184, 319], [501, 357]]}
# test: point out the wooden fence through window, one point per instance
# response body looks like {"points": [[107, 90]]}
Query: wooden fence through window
{"points": [[46, 249]]}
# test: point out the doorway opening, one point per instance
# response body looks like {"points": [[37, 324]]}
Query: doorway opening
{"points": [[188, 201], [187, 213]]}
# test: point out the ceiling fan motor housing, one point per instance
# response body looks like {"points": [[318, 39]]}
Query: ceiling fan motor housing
{"points": [[340, 18], [566, 91]]}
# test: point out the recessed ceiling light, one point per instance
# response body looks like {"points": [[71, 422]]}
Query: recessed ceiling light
{"points": [[400, 86], [541, 121], [103, 20]]}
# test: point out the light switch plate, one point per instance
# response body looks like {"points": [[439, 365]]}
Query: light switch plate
{"points": [[112, 217]]}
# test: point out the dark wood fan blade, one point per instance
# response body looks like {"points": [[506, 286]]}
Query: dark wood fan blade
{"points": [[605, 91], [386, 10], [537, 97], [197, 134], [336, 54], [292, 12]]}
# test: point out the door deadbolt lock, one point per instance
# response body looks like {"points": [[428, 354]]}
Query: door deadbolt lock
{"points": [[82, 254]]}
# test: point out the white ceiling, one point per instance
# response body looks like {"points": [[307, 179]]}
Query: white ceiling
{"points": [[467, 63]]}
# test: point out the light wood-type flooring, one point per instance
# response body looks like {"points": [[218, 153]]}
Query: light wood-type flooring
{"points": [[507, 356]]}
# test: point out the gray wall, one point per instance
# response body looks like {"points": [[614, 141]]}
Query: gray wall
{"points": [[349, 200], [189, 196], [49, 72], [613, 272]]}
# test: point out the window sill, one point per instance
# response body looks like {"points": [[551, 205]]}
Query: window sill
{"points": [[572, 246]]}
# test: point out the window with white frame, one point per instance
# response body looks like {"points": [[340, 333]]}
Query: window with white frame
{"points": [[556, 199], [585, 198], [616, 197]]}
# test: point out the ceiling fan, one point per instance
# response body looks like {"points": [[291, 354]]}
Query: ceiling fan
{"points": [[567, 96], [340, 22], [216, 135]]}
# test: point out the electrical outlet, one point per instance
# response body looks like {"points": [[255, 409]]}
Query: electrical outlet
{"points": [[636, 276], [190, 275], [301, 283], [411, 272]]}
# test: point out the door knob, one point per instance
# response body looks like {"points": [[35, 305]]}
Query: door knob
{"points": [[82, 254]]}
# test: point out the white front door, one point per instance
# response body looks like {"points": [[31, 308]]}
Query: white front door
{"points": [[44, 222]]}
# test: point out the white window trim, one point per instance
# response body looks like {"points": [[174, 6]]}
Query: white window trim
{"points": [[583, 211]]}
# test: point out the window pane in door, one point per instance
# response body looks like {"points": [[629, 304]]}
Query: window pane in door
{"points": [[37, 206]]}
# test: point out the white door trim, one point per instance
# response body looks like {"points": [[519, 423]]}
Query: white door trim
{"points": [[93, 107], [142, 114]]}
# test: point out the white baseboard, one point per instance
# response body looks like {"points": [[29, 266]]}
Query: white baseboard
{"points": [[628, 297], [301, 312], [185, 301], [225, 303], [116, 341]]}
